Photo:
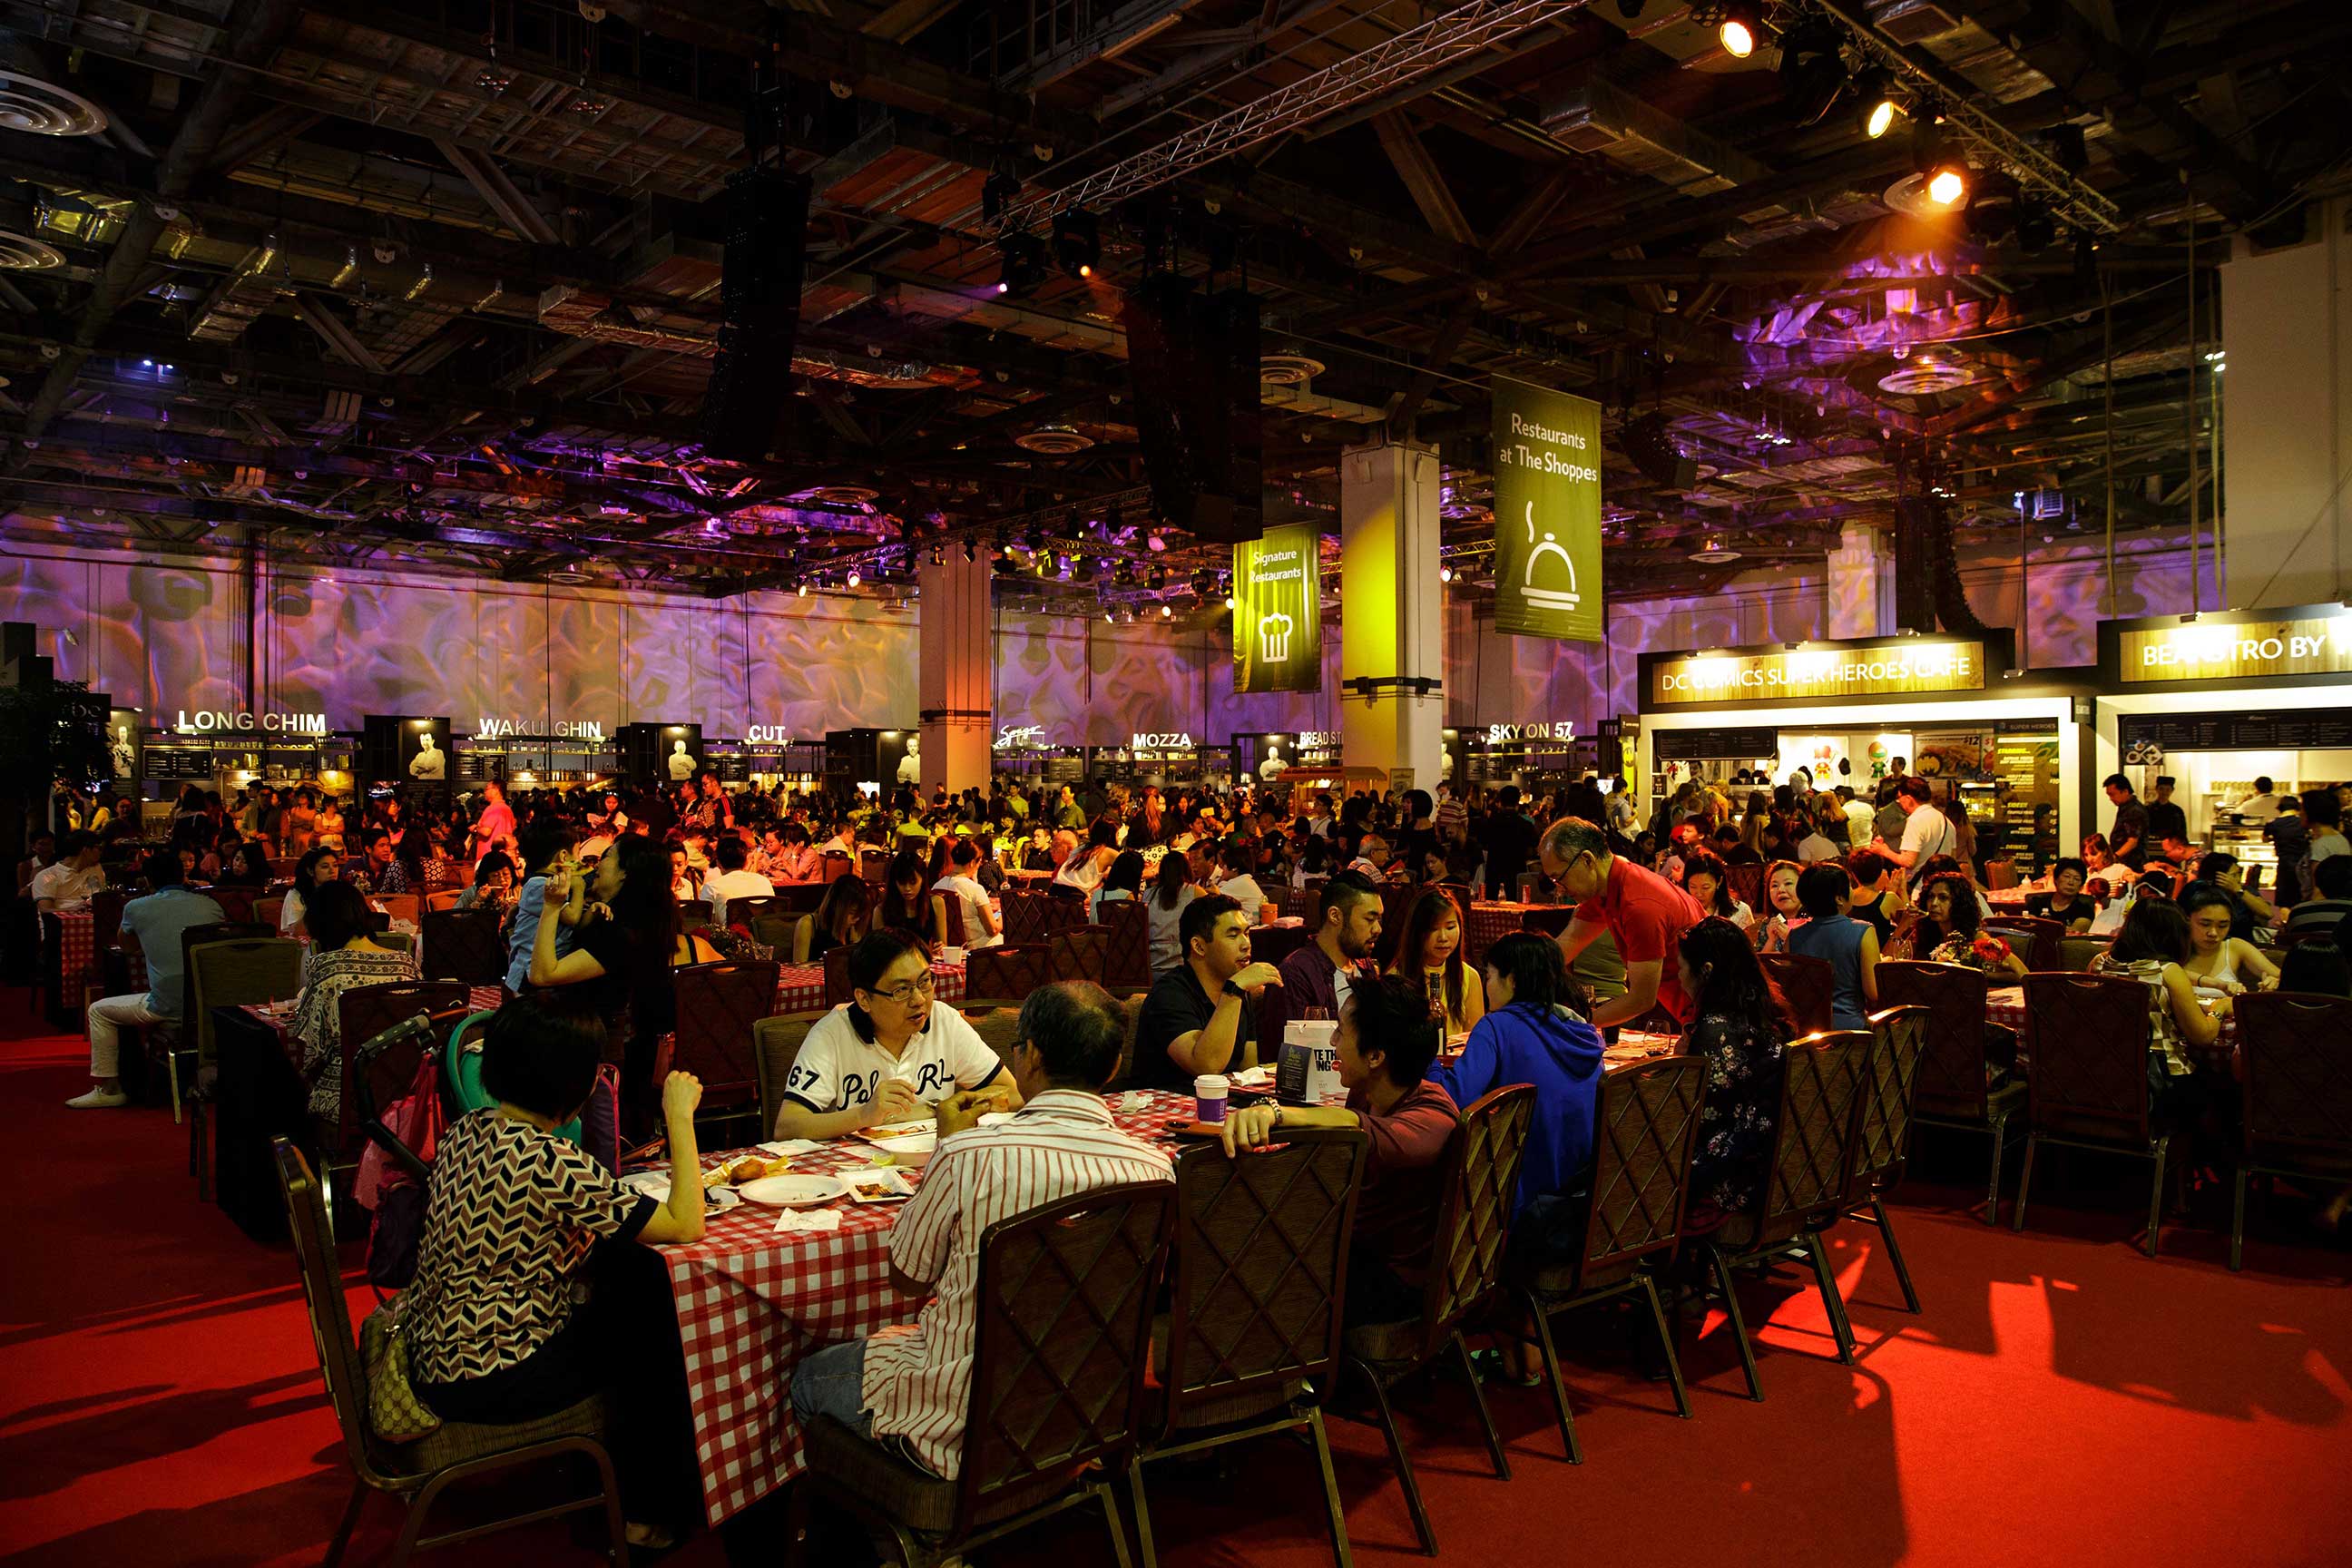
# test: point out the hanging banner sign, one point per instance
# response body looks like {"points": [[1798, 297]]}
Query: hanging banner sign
{"points": [[1278, 610], [1547, 512]]}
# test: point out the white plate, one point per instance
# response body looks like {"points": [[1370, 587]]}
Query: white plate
{"points": [[654, 1184], [911, 1151], [892, 1184], [922, 1127], [793, 1192]]}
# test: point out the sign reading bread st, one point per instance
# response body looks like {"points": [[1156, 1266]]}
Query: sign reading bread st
{"points": [[1278, 610], [1547, 512]]}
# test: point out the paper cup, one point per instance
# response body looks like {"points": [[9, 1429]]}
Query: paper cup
{"points": [[1209, 1094]]}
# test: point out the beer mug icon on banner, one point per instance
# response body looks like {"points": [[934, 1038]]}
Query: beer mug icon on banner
{"points": [[1273, 637]]}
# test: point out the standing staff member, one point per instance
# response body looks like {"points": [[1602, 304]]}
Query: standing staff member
{"points": [[1926, 832], [1642, 913]]}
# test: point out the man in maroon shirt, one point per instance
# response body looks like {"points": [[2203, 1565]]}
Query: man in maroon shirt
{"points": [[1386, 1039], [1641, 911]]}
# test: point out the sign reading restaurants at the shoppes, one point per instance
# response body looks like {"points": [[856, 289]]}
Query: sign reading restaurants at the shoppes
{"points": [[1860, 669], [1278, 610], [2247, 650], [1547, 512]]}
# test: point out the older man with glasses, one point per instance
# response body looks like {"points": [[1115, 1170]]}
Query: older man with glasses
{"points": [[1642, 913], [890, 1054]]}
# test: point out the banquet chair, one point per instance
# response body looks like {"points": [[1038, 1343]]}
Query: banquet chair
{"points": [[998, 1028], [1126, 940], [1644, 1127], [1077, 952], [1747, 885], [464, 945], [1476, 1177], [874, 865], [417, 1473], [1272, 945], [444, 898], [776, 930], [1806, 1181], [1955, 1087], [1809, 985], [775, 1046], [175, 1039], [2031, 937], [398, 906], [1251, 1335], [747, 912], [1064, 1339], [229, 971], [2087, 1040], [800, 897], [1898, 1040], [2296, 1109], [283, 866], [363, 1012], [1002, 976], [2077, 953], [950, 919], [718, 1003], [836, 976]]}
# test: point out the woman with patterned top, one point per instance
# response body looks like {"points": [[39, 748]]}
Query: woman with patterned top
{"points": [[342, 956], [1739, 1027], [1950, 930], [2153, 947], [514, 1217]]}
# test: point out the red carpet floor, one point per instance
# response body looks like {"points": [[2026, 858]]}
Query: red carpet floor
{"points": [[2062, 1400]]}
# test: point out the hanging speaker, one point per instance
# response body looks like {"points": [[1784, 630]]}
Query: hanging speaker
{"points": [[1193, 359], [746, 410]]}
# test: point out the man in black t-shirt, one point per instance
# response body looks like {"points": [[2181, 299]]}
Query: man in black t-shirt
{"points": [[1509, 840], [1201, 1016]]}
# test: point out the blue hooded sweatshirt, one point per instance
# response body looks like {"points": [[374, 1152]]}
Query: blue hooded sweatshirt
{"points": [[1560, 1055]]}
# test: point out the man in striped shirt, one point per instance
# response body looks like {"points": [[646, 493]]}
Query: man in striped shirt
{"points": [[909, 1386]]}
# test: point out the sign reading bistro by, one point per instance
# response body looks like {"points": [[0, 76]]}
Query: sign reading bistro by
{"points": [[2249, 649], [1278, 610], [1867, 670]]}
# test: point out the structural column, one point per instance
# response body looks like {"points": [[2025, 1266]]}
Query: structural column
{"points": [[956, 675], [1391, 614], [1860, 586]]}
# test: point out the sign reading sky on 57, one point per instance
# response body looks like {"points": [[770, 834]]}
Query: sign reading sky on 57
{"points": [[1278, 610], [1547, 512]]}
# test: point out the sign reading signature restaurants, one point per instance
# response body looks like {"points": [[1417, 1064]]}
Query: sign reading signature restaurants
{"points": [[1867, 669]]}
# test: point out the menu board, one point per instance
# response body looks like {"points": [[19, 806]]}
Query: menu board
{"points": [[1688, 745], [166, 761], [2299, 729]]}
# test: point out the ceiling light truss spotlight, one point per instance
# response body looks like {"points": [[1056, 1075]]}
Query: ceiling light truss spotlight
{"points": [[1023, 264], [1739, 26], [1880, 102], [1077, 242]]}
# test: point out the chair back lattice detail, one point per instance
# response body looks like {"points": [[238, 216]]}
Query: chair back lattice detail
{"points": [[1479, 1179], [1812, 1153], [1065, 1300], [1952, 1058], [1644, 1127], [2297, 1052], [2033, 938], [748, 908], [1077, 952], [1126, 959], [2086, 1044], [1898, 1043], [1005, 972], [236, 904], [1808, 986], [1261, 1263], [951, 926], [836, 976], [1747, 885], [464, 945], [717, 1005], [363, 1012]]}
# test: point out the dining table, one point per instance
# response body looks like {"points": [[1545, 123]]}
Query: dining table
{"points": [[753, 1301]]}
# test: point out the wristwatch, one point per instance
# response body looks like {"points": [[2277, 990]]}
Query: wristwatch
{"points": [[1235, 992]]}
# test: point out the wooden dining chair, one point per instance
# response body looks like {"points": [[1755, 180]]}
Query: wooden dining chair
{"points": [[746, 911], [1477, 1178], [363, 1011], [1077, 952], [1644, 1127], [1881, 1142], [1126, 940], [2086, 1043], [1955, 1087], [1809, 985], [2296, 1112], [776, 1044], [416, 1475], [186, 1044], [1251, 1339], [947, 913], [443, 899], [398, 905], [464, 945], [1805, 1183], [1003, 976], [718, 1003], [1059, 1354], [1747, 885], [2031, 937]]}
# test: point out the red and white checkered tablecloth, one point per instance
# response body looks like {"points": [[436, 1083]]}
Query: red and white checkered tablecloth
{"points": [[752, 1304], [800, 987], [77, 956], [2006, 1005]]}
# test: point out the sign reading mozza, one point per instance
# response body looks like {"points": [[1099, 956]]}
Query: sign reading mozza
{"points": [[1160, 741], [211, 722]]}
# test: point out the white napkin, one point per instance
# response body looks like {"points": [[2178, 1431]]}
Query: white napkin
{"points": [[1134, 1101], [786, 1148], [814, 1221], [1253, 1078]]}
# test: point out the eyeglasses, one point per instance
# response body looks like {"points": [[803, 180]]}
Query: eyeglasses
{"points": [[921, 987]]}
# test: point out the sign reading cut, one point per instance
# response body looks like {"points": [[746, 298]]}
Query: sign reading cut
{"points": [[1870, 671], [1278, 610], [1547, 512], [2249, 650]]}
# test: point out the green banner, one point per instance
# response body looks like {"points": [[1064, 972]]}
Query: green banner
{"points": [[1547, 512], [1278, 610]]}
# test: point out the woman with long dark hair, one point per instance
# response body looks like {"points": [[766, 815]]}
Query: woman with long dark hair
{"points": [[906, 905], [1169, 894], [317, 866], [1951, 928], [1739, 1026], [1428, 953], [1706, 880], [619, 966], [2153, 947], [843, 916]]}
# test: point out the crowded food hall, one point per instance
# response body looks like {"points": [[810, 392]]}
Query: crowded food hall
{"points": [[983, 781]]}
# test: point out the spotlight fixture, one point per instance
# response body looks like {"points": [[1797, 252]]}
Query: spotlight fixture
{"points": [[1947, 183], [1109, 618], [853, 577], [1167, 611], [1812, 70], [803, 588], [1229, 598], [1881, 102], [1024, 265], [1739, 26], [1077, 241], [1445, 573], [1000, 191]]}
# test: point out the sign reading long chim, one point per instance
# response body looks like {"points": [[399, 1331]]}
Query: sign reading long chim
{"points": [[211, 722]]}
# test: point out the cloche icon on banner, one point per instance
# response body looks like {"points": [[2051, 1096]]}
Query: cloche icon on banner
{"points": [[1273, 637], [1565, 598]]}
